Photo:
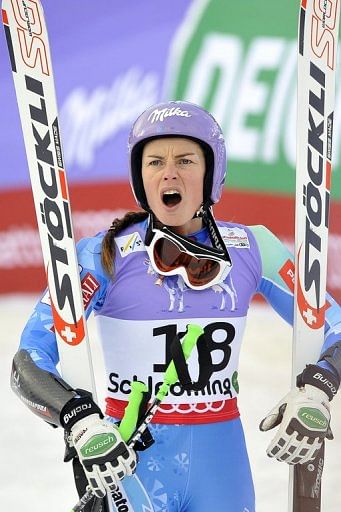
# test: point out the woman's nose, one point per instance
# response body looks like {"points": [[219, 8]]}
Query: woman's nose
{"points": [[170, 171]]}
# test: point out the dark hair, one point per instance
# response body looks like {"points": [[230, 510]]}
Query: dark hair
{"points": [[108, 243]]}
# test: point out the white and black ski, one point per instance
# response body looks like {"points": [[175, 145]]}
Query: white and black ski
{"points": [[29, 51], [317, 50]]}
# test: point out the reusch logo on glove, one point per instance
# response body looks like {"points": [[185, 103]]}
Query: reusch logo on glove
{"points": [[313, 418], [98, 445]]}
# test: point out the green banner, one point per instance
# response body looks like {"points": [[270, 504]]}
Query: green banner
{"points": [[239, 60]]}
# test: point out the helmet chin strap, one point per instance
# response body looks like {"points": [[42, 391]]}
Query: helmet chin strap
{"points": [[198, 213], [205, 206]]}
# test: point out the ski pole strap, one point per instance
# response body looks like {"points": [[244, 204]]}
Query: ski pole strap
{"points": [[205, 364]]}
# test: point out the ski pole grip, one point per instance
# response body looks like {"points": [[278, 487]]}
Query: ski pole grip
{"points": [[192, 335], [131, 413]]}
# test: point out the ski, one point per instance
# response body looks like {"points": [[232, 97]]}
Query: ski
{"points": [[317, 50], [29, 52]]}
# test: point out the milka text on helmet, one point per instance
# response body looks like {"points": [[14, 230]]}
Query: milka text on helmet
{"points": [[160, 115]]}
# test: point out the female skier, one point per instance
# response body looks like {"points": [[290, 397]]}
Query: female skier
{"points": [[152, 273]]}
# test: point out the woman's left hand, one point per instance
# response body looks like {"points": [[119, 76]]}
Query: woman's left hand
{"points": [[303, 417]]}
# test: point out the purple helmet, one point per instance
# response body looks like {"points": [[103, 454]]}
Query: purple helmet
{"points": [[183, 119]]}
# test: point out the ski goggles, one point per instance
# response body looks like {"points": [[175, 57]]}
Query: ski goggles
{"points": [[170, 254]]}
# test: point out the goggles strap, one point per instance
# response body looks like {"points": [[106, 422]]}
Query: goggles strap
{"points": [[204, 360]]}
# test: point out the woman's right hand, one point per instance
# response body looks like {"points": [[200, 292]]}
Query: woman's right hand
{"points": [[105, 457]]}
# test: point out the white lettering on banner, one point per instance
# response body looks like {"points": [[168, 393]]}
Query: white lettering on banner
{"points": [[278, 104], [258, 117], [21, 248], [253, 97], [90, 119], [217, 52]]}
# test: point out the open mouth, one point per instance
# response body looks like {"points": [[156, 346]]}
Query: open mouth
{"points": [[171, 197]]}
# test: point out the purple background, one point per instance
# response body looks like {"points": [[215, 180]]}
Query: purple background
{"points": [[93, 46]]}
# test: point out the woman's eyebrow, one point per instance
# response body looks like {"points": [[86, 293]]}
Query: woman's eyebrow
{"points": [[185, 154], [181, 155]]}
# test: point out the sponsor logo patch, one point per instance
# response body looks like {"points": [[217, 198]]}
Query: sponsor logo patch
{"points": [[313, 418], [89, 287], [287, 273], [98, 445], [129, 243], [235, 237]]}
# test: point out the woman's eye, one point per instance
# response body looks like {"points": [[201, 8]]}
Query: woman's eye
{"points": [[155, 163], [185, 161]]}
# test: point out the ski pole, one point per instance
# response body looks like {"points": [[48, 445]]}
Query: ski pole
{"points": [[130, 431]]}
